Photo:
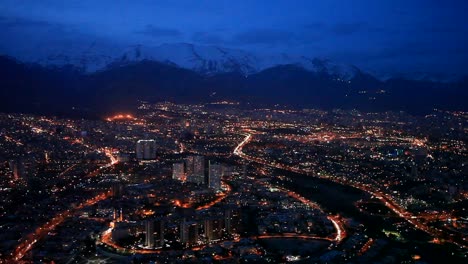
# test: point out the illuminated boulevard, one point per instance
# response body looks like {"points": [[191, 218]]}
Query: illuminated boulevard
{"points": [[336, 221], [42, 231], [386, 200], [340, 231]]}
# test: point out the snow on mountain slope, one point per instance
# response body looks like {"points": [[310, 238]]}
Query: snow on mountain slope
{"points": [[324, 66], [337, 70], [203, 59], [90, 57]]}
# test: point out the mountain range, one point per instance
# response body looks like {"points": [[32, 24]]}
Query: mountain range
{"points": [[206, 60], [97, 80]]}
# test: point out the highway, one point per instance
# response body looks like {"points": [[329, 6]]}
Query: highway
{"points": [[218, 199], [336, 221], [292, 235], [387, 200], [42, 231]]}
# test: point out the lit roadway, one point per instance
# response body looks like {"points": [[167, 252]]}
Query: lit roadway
{"points": [[111, 156], [106, 237], [336, 221], [340, 231], [42, 231], [386, 199], [219, 198], [294, 236]]}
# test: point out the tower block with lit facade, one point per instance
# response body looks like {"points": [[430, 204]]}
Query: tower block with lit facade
{"points": [[146, 150], [195, 169], [178, 171], [214, 176], [149, 233]]}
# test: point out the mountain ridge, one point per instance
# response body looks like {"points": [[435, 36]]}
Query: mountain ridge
{"points": [[208, 60], [99, 55], [34, 88]]}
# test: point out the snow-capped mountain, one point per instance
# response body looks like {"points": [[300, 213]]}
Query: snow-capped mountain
{"points": [[89, 57], [203, 59], [342, 71]]}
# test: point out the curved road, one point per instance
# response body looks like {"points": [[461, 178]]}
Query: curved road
{"points": [[386, 199]]}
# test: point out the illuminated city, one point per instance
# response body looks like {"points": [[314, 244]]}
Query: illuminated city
{"points": [[146, 187], [235, 132]]}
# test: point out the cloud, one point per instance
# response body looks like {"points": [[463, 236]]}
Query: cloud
{"points": [[264, 36], [206, 38], [24, 28], [402, 51], [154, 31], [11, 22]]}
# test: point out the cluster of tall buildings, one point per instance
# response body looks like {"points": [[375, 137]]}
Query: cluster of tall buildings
{"points": [[192, 169], [196, 231], [154, 233]]}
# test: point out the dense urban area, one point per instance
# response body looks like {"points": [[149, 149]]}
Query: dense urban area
{"points": [[229, 183]]}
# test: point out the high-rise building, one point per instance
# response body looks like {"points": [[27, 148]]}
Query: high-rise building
{"points": [[199, 166], [188, 233], [178, 171], [46, 157], [192, 233], [227, 171], [16, 166], [232, 220], [160, 231], [189, 161], [183, 232], [218, 227], [414, 170], [146, 149], [149, 233], [208, 225], [121, 216], [117, 189], [214, 176], [228, 220], [195, 169], [213, 228]]}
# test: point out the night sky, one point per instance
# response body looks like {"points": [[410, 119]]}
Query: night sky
{"points": [[377, 35]]}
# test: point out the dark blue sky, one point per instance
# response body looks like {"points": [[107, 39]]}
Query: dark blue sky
{"points": [[378, 35]]}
